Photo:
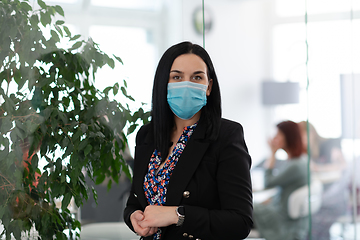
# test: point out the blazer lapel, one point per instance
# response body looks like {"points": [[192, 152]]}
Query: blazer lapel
{"points": [[143, 154], [187, 165]]}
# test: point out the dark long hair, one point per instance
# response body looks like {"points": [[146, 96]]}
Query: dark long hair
{"points": [[293, 138], [162, 118]]}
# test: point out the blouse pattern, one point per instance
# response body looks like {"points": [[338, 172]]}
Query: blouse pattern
{"points": [[156, 180]]}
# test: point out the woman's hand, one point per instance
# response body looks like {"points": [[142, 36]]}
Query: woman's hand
{"points": [[136, 218], [274, 145], [159, 216]]}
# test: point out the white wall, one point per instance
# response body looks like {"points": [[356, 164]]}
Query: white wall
{"points": [[239, 44], [236, 44]]}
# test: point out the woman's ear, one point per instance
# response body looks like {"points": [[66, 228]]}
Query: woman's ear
{"points": [[208, 90]]}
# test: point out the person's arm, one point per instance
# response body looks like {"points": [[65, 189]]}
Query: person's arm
{"points": [[159, 216], [132, 205], [233, 218], [285, 176], [271, 160], [337, 162], [133, 212]]}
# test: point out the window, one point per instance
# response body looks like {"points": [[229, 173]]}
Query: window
{"points": [[286, 8], [138, 55], [133, 4], [332, 52]]}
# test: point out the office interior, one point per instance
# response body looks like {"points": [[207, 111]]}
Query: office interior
{"points": [[272, 62]]}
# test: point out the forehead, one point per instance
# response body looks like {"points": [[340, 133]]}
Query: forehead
{"points": [[189, 61]]}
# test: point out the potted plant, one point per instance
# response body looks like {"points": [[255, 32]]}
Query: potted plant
{"points": [[50, 110]]}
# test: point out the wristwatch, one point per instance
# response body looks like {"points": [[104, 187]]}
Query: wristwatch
{"points": [[180, 211]]}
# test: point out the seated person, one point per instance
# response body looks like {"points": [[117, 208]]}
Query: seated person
{"points": [[271, 217]]}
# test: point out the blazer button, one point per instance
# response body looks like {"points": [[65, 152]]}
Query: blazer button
{"points": [[186, 194], [185, 234], [191, 236], [135, 195]]}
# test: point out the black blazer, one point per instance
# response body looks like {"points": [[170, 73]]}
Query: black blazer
{"points": [[211, 180]]}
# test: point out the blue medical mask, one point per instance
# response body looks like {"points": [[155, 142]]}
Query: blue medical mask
{"points": [[186, 98]]}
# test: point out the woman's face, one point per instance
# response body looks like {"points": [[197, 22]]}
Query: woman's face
{"points": [[190, 67], [279, 140]]}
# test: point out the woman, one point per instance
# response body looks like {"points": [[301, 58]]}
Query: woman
{"points": [[192, 168], [271, 217]]}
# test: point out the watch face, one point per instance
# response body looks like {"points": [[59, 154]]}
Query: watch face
{"points": [[181, 210]]}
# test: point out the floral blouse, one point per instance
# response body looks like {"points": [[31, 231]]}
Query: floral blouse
{"points": [[156, 180]]}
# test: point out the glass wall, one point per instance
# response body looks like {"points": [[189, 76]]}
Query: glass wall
{"points": [[322, 55]]}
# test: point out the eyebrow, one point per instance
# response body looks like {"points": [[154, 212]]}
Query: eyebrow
{"points": [[176, 71], [196, 72]]}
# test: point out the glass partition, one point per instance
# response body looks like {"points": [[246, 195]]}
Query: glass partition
{"points": [[327, 69]]}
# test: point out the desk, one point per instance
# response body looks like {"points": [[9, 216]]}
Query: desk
{"points": [[107, 231], [327, 177], [262, 195], [259, 193]]}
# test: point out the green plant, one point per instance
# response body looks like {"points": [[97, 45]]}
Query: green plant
{"points": [[50, 110]]}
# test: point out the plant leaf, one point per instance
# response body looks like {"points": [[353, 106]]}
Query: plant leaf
{"points": [[76, 45], [100, 179], [59, 10], [75, 37], [132, 128], [87, 149], [94, 194], [55, 36], [116, 88], [107, 89], [118, 58], [111, 63], [84, 127], [67, 31], [66, 201], [83, 144], [42, 4], [109, 185], [60, 22], [45, 18], [25, 6]]}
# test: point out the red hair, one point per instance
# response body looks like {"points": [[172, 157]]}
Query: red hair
{"points": [[293, 139]]}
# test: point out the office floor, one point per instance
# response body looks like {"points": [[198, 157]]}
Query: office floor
{"points": [[338, 231], [347, 232]]}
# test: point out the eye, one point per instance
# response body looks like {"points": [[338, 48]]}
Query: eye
{"points": [[197, 78], [176, 77]]}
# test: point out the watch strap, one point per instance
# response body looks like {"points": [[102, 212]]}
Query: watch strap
{"points": [[180, 212]]}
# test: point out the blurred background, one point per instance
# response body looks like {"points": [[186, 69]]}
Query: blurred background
{"points": [[250, 42], [272, 65]]}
